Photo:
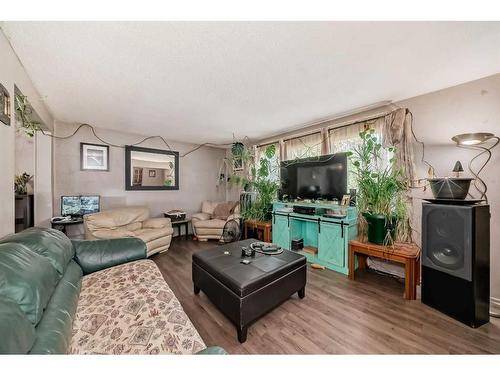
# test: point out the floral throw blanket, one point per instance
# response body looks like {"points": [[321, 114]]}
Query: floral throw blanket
{"points": [[129, 309]]}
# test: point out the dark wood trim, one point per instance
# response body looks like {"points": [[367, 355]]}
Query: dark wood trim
{"points": [[128, 184]]}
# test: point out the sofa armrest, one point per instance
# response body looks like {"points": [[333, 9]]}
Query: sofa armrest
{"points": [[96, 255], [201, 216], [236, 217], [157, 223], [212, 350]]}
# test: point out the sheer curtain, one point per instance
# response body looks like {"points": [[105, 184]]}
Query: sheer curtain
{"points": [[303, 147], [346, 138]]}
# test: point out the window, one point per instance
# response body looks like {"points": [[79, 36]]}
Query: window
{"points": [[303, 147], [274, 163], [346, 138]]}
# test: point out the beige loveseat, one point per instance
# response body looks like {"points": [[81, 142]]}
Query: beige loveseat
{"points": [[206, 227], [130, 222]]}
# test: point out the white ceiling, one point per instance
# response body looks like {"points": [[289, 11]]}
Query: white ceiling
{"points": [[204, 81]]}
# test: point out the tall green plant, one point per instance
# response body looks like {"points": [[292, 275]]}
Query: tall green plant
{"points": [[259, 178], [382, 187]]}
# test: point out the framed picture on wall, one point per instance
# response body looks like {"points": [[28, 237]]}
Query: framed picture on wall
{"points": [[4, 105], [94, 157]]}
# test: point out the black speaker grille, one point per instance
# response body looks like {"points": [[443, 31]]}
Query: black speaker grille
{"points": [[447, 239]]}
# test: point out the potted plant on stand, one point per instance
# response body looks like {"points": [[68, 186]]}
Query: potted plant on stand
{"points": [[259, 179], [382, 192]]}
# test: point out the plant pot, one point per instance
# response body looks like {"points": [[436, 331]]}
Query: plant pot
{"points": [[378, 227], [450, 187]]}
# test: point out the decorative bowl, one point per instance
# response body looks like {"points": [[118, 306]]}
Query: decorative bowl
{"points": [[450, 187]]}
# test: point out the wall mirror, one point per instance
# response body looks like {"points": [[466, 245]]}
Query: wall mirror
{"points": [[151, 169]]}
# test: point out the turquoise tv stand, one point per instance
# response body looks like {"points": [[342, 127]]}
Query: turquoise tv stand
{"points": [[330, 236]]}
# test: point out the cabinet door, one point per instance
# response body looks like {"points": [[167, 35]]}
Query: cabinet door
{"points": [[332, 244], [281, 231]]}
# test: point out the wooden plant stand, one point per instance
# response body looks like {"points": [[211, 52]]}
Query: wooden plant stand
{"points": [[262, 228], [407, 254]]}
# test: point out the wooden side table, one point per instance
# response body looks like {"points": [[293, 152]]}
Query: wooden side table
{"points": [[407, 254], [262, 228]]}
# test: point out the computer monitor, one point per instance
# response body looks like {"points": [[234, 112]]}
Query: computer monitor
{"points": [[79, 205]]}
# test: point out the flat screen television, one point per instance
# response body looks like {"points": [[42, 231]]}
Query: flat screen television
{"points": [[79, 205], [322, 177]]}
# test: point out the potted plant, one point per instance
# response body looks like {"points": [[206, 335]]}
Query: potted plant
{"points": [[382, 191], [20, 182], [259, 180]]}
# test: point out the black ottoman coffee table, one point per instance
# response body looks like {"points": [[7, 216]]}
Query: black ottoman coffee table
{"points": [[246, 292]]}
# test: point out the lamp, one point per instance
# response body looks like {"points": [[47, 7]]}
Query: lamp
{"points": [[475, 141]]}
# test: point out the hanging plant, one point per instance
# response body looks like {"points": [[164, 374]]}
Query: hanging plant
{"points": [[24, 114], [237, 149]]}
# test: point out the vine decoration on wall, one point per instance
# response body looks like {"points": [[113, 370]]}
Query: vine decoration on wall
{"points": [[24, 116]]}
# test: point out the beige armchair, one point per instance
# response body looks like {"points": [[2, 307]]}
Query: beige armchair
{"points": [[130, 222], [206, 227]]}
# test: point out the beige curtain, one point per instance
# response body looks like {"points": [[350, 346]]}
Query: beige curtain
{"points": [[303, 147], [397, 132]]}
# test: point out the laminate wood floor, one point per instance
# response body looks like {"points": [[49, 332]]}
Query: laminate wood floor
{"points": [[337, 316]]}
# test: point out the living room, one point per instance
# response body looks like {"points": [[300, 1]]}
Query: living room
{"points": [[240, 187]]}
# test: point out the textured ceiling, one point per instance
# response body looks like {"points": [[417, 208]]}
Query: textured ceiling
{"points": [[204, 81]]}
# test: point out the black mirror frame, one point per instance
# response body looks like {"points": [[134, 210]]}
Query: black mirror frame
{"points": [[128, 180]]}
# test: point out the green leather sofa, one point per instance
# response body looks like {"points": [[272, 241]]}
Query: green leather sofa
{"points": [[41, 274]]}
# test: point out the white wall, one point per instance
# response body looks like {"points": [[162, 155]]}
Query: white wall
{"points": [[43, 180], [197, 174], [12, 73], [467, 108]]}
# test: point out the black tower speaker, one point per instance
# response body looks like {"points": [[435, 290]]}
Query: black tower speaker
{"points": [[456, 261]]}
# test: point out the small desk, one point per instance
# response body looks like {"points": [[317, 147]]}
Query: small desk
{"points": [[262, 230], [179, 224], [407, 254], [61, 225]]}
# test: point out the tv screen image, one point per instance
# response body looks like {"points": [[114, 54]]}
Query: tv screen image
{"points": [[79, 205], [89, 204], [70, 206], [322, 177]]}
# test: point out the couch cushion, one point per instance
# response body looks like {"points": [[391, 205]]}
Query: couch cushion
{"points": [[115, 218], [53, 333], [27, 278], [17, 332], [132, 226], [223, 210], [156, 222], [148, 235], [129, 309], [208, 207], [49, 243], [201, 216], [212, 224]]}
